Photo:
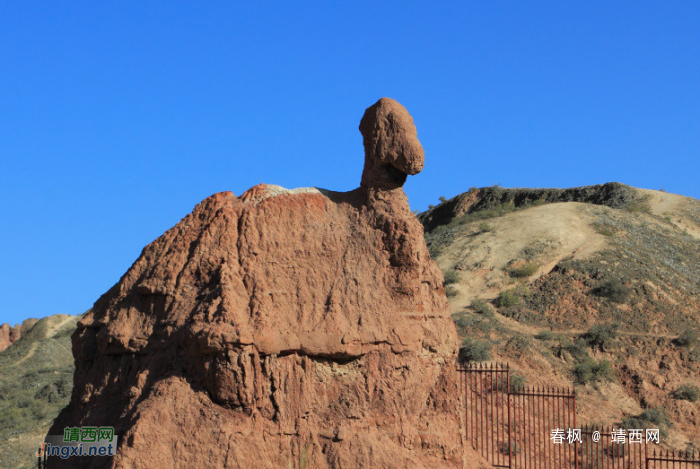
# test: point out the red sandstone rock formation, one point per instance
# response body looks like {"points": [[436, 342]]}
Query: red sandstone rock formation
{"points": [[280, 329], [9, 335]]}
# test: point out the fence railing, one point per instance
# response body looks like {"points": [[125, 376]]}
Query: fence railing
{"points": [[537, 413], [536, 428], [673, 460]]}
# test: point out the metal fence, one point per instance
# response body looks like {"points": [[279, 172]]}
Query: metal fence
{"points": [[536, 428], [673, 460]]}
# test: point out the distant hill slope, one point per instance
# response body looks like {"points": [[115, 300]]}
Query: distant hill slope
{"points": [[10, 335], [36, 379], [597, 285]]}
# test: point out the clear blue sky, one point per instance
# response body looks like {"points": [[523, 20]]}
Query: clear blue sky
{"points": [[117, 118]]}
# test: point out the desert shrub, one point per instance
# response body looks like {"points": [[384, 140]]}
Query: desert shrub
{"points": [[615, 291], [688, 392], [519, 344], [601, 334], [435, 250], [526, 270], [508, 298], [451, 276], [590, 371], [638, 204], [650, 418], [605, 231], [485, 227], [687, 338], [492, 212], [431, 206], [450, 291], [473, 350], [577, 349], [461, 321], [516, 381], [545, 335], [442, 199], [481, 307]]}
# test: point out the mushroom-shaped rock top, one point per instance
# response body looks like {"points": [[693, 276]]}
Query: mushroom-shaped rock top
{"points": [[392, 149]]}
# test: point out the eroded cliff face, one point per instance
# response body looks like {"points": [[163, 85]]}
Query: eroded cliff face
{"points": [[280, 328]]}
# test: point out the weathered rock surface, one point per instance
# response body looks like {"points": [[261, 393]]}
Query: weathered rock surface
{"points": [[9, 335], [280, 328]]}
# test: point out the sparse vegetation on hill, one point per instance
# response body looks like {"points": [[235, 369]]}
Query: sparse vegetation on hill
{"points": [[688, 392], [618, 315], [614, 290], [36, 379], [473, 350], [649, 418], [601, 334], [481, 307], [591, 371], [489, 202], [525, 270], [451, 276]]}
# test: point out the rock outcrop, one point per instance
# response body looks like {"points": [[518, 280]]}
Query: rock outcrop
{"points": [[9, 335], [302, 328]]}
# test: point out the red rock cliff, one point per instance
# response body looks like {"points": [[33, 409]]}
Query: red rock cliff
{"points": [[280, 328]]}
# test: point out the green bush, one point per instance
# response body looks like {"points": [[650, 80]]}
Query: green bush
{"points": [[481, 307], [605, 229], [493, 212], [474, 351], [545, 335], [615, 291], [519, 344], [450, 291], [435, 250], [485, 227], [688, 392], [650, 418], [443, 199], [516, 381], [523, 271], [601, 334], [687, 338], [590, 371], [451, 276], [508, 298], [577, 349], [638, 204], [461, 321]]}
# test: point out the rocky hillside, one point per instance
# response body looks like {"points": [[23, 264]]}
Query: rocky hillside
{"points": [[595, 287], [9, 335], [36, 378]]}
